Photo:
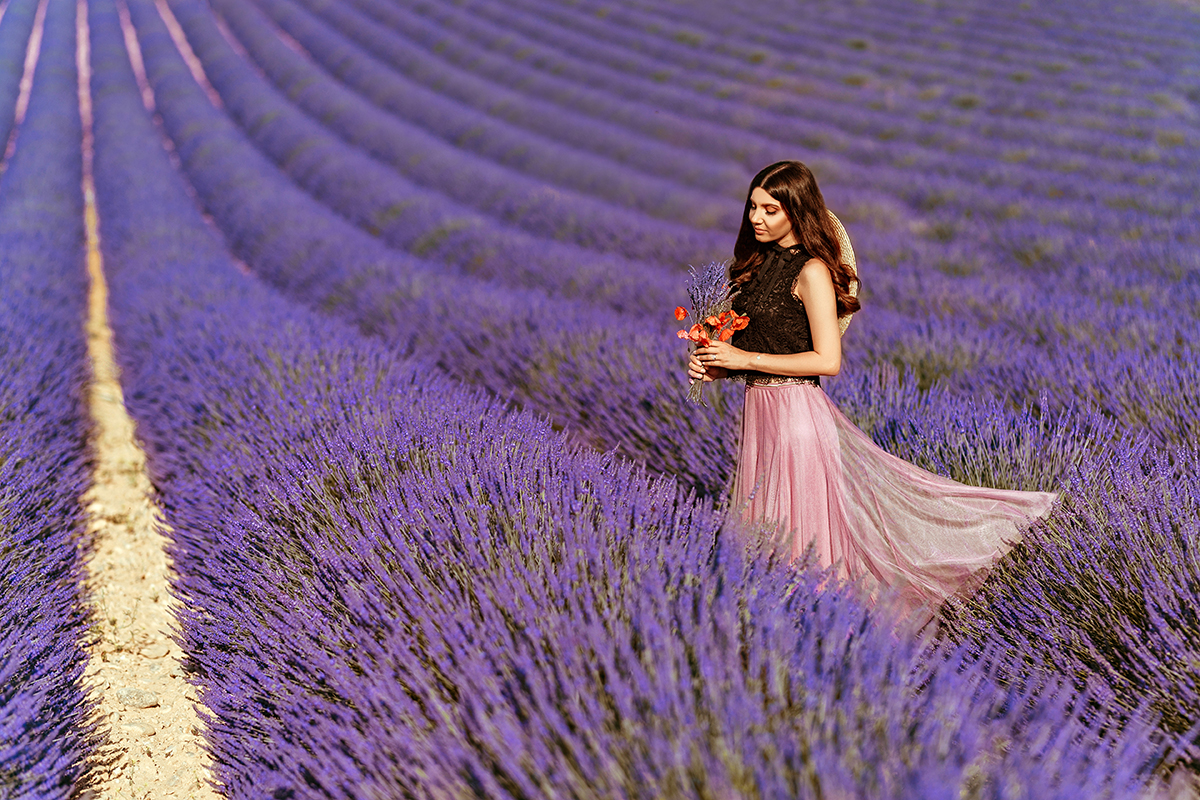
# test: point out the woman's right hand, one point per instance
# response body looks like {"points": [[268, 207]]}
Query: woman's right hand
{"points": [[698, 372]]}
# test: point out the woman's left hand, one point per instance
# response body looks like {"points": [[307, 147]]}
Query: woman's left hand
{"points": [[724, 355]]}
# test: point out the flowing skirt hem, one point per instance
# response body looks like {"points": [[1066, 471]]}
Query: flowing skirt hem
{"points": [[880, 520]]}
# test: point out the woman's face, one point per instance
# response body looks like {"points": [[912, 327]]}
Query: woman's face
{"points": [[771, 223]]}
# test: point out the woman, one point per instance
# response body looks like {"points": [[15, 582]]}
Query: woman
{"points": [[802, 464]]}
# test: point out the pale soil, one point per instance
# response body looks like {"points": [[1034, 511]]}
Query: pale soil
{"points": [[154, 742], [154, 746]]}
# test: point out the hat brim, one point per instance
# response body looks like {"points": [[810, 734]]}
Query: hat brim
{"points": [[847, 257]]}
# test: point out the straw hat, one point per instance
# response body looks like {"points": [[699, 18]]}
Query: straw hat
{"points": [[848, 257]]}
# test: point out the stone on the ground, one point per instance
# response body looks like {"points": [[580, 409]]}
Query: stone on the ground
{"points": [[136, 698]]}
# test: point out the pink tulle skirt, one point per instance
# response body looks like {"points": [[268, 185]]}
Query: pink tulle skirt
{"points": [[807, 469]]}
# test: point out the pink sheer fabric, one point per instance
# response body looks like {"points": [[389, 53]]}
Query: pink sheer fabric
{"points": [[882, 520]]}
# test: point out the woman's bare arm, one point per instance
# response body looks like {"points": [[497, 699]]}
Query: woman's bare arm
{"points": [[814, 288]]}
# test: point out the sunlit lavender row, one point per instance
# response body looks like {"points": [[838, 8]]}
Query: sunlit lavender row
{"points": [[982, 337], [745, 124], [437, 595], [409, 571], [1002, 268], [44, 457]]}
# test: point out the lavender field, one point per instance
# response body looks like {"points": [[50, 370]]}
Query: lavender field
{"points": [[391, 286]]}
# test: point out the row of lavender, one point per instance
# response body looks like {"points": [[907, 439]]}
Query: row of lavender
{"points": [[1038, 235], [567, 66], [44, 456], [1166, 411], [1001, 185], [1098, 282], [1002, 421], [396, 587], [562, 353], [996, 192]]}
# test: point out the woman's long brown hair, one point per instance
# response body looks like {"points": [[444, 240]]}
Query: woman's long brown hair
{"points": [[793, 185]]}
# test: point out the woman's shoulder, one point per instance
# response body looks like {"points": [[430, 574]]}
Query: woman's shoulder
{"points": [[812, 275], [814, 266]]}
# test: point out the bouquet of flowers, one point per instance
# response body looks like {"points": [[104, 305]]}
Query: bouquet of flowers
{"points": [[712, 307]]}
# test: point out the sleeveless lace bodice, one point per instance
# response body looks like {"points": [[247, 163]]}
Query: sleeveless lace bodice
{"points": [[778, 320]]}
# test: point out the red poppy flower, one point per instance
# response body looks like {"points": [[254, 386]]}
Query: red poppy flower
{"points": [[680, 312], [726, 335], [698, 335]]}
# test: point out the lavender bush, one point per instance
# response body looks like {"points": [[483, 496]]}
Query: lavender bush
{"points": [[398, 586], [404, 215], [529, 150], [563, 212], [15, 27], [44, 459], [563, 357], [953, 327]]}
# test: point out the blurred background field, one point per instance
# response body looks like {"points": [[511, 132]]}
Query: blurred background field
{"points": [[392, 287]]}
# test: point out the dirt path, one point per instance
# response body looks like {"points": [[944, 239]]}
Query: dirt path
{"points": [[155, 748]]}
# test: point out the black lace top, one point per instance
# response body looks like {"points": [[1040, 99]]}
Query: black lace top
{"points": [[778, 321]]}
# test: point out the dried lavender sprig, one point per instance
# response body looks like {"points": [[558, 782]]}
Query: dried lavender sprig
{"points": [[708, 292], [708, 288]]}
